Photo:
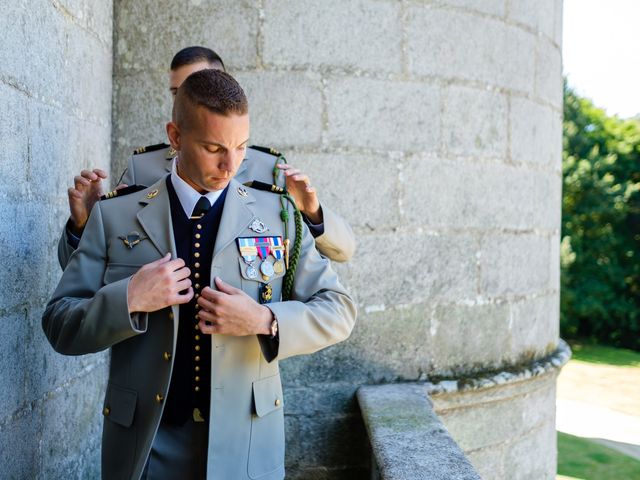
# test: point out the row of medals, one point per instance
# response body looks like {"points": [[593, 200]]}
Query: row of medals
{"points": [[267, 269]]}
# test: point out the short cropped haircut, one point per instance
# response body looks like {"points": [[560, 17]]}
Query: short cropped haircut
{"points": [[191, 55], [215, 90]]}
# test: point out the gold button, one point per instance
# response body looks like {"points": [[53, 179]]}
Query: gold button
{"points": [[197, 327], [197, 265], [199, 227], [197, 389], [197, 317], [197, 245], [197, 358], [166, 356], [170, 315], [197, 275], [197, 295], [197, 255], [277, 402], [106, 411], [197, 379], [197, 368], [198, 306], [197, 235], [197, 337], [197, 347], [197, 285], [159, 398]]}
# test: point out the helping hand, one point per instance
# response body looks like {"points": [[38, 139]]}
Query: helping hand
{"points": [[306, 197], [83, 195]]}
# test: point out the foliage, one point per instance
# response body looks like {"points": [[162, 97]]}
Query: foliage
{"points": [[583, 459], [600, 249]]}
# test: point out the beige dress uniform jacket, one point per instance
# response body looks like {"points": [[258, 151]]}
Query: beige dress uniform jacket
{"points": [[88, 313], [337, 242]]}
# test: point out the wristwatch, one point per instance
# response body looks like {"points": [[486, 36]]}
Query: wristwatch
{"points": [[274, 327]]}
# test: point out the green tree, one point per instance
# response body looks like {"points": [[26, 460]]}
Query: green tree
{"points": [[600, 252]]}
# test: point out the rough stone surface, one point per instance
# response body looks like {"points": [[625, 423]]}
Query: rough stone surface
{"points": [[458, 44], [55, 119], [292, 37], [382, 114], [407, 438], [462, 132]]}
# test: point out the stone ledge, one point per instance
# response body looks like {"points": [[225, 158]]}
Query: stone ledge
{"points": [[480, 381], [407, 438]]}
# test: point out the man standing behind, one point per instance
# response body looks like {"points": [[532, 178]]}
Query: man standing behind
{"points": [[194, 387], [333, 235]]}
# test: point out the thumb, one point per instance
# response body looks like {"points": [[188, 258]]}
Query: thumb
{"points": [[225, 287]]}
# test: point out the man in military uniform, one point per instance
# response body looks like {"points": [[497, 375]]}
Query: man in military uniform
{"points": [[334, 238], [182, 282]]}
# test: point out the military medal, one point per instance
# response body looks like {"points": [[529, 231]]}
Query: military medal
{"points": [[263, 245], [258, 226], [249, 253], [277, 250]]}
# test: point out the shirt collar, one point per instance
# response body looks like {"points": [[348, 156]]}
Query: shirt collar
{"points": [[187, 195]]}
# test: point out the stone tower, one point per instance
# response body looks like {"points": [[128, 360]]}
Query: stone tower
{"points": [[434, 127]]}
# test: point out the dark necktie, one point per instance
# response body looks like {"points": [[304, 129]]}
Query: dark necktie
{"points": [[201, 208]]}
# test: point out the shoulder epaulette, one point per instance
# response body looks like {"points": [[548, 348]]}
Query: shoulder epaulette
{"points": [[266, 187], [122, 191], [269, 150], [150, 148]]}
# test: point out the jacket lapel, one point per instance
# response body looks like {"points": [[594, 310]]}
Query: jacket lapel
{"points": [[236, 215], [155, 219]]}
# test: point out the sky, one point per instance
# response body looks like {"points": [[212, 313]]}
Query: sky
{"points": [[601, 52]]}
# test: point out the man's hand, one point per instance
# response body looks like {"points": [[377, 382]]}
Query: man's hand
{"points": [[302, 192], [230, 311], [86, 190], [158, 285]]}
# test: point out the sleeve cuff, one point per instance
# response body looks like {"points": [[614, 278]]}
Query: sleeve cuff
{"points": [[72, 239], [315, 229]]}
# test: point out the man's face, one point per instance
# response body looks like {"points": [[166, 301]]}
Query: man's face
{"points": [[180, 74], [211, 149]]}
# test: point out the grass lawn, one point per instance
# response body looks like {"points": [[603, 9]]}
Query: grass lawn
{"points": [[607, 377], [585, 460], [620, 357]]}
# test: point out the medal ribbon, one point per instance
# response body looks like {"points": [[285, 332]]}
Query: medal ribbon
{"points": [[263, 245]]}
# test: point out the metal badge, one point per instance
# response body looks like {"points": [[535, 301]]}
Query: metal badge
{"points": [[172, 152], [242, 191], [266, 293], [252, 272], [152, 193], [278, 266], [258, 226], [267, 269], [131, 239]]}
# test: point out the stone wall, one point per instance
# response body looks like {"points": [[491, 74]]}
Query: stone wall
{"points": [[434, 127], [55, 119]]}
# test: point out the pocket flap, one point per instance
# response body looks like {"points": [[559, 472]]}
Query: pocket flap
{"points": [[120, 405], [267, 395]]}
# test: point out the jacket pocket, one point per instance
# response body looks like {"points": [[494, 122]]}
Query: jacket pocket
{"points": [[120, 405], [118, 271], [266, 448]]}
